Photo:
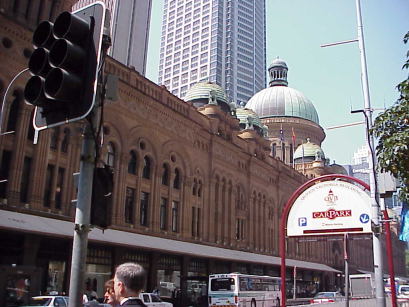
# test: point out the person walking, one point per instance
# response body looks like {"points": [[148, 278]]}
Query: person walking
{"points": [[129, 280], [109, 295]]}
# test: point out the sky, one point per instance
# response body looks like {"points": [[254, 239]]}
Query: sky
{"points": [[330, 77]]}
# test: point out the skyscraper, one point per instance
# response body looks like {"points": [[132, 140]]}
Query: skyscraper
{"points": [[222, 41], [130, 28]]}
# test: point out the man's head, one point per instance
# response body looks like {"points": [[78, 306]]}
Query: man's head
{"points": [[129, 280]]}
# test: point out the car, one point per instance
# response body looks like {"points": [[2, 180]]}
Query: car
{"points": [[403, 293], [152, 299], [49, 300], [327, 297]]}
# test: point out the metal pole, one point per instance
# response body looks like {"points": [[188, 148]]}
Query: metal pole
{"points": [[83, 210], [377, 248], [295, 283], [390, 254], [346, 270]]}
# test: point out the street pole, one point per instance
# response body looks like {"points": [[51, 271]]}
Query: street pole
{"points": [[346, 256], [377, 247], [85, 184], [82, 215]]}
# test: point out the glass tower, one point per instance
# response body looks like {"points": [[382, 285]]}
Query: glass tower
{"points": [[221, 41]]}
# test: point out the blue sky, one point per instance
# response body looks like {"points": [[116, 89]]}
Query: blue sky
{"points": [[329, 77]]}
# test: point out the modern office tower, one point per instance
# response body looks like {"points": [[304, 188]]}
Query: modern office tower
{"points": [[130, 29], [221, 41]]}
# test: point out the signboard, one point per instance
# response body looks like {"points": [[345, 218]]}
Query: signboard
{"points": [[330, 207]]}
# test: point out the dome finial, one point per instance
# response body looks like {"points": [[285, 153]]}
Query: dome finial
{"points": [[278, 72]]}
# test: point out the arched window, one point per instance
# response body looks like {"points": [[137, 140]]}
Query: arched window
{"points": [[66, 140], [146, 172], [283, 151], [291, 153], [199, 189], [273, 149], [110, 156], [14, 109], [165, 174], [132, 163], [176, 181], [194, 190]]}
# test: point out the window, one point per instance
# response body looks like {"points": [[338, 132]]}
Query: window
{"points": [[176, 181], [110, 156], [144, 208], [283, 151], [25, 180], [14, 110], [163, 213], [273, 149], [146, 172], [54, 138], [129, 205], [59, 188], [175, 215], [66, 140], [48, 185], [240, 229], [31, 132], [195, 221], [165, 174], [132, 163]]}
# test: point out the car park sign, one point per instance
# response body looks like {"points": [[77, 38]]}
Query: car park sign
{"points": [[330, 207]]}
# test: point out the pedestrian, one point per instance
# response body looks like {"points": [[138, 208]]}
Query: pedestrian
{"points": [[129, 280], [109, 296]]}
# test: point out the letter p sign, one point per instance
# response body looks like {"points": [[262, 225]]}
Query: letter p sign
{"points": [[302, 221]]}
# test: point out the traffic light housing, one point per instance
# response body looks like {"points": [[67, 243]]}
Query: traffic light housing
{"points": [[64, 66], [101, 201]]}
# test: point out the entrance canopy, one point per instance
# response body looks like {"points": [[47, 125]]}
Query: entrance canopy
{"points": [[15, 221]]}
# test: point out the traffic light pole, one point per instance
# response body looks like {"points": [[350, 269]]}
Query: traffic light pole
{"points": [[83, 210]]}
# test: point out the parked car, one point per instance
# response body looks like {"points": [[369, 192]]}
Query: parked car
{"points": [[403, 292], [49, 300], [152, 299], [327, 297]]}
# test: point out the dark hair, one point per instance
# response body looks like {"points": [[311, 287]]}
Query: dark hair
{"points": [[132, 275], [109, 284]]}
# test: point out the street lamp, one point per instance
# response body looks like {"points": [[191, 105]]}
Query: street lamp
{"points": [[375, 208]]}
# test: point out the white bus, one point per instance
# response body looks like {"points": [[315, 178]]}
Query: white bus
{"points": [[237, 289]]}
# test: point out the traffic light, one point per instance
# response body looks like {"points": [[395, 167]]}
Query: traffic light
{"points": [[64, 66], [101, 202]]}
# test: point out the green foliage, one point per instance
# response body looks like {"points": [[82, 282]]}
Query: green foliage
{"points": [[392, 130]]}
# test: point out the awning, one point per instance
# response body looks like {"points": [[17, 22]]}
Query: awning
{"points": [[54, 227]]}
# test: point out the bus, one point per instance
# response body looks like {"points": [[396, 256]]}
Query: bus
{"points": [[235, 289]]}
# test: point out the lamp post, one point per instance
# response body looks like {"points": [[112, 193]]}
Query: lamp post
{"points": [[375, 208]]}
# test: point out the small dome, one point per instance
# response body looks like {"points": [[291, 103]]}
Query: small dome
{"points": [[278, 62], [250, 120], [202, 91], [309, 152]]}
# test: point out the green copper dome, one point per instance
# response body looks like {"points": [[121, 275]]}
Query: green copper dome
{"points": [[309, 151], [279, 100], [243, 115], [250, 120], [203, 91]]}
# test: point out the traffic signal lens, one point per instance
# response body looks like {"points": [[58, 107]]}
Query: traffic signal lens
{"points": [[62, 85], [38, 63], [34, 91], [65, 55], [71, 27], [43, 35]]}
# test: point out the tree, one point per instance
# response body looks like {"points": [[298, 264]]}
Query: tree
{"points": [[392, 130]]}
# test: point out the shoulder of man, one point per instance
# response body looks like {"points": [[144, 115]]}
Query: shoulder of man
{"points": [[133, 302]]}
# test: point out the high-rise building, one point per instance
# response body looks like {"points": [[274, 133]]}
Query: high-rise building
{"points": [[221, 41], [130, 30]]}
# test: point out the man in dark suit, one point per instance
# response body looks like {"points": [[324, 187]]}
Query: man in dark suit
{"points": [[129, 280]]}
